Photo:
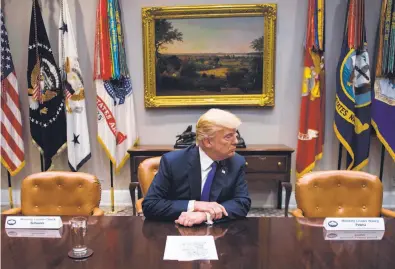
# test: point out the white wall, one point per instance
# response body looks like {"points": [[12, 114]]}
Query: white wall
{"points": [[160, 126]]}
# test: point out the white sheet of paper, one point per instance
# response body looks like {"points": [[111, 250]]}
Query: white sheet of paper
{"points": [[189, 248]]}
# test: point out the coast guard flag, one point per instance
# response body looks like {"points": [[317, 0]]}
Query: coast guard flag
{"points": [[78, 146], [312, 107], [47, 117], [116, 120], [353, 96], [12, 148], [383, 94]]}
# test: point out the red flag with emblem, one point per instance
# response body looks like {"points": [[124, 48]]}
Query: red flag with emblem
{"points": [[312, 108]]}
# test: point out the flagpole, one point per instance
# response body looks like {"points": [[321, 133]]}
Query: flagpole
{"points": [[339, 159], [112, 188], [382, 162], [10, 190]]}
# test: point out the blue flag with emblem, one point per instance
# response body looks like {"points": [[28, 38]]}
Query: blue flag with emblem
{"points": [[353, 94], [47, 116]]}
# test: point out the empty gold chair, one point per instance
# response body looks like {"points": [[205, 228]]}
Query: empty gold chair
{"points": [[339, 194], [58, 193]]}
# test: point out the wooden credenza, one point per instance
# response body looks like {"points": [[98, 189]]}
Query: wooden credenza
{"points": [[263, 162]]}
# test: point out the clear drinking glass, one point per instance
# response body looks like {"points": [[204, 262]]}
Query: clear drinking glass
{"points": [[78, 231]]}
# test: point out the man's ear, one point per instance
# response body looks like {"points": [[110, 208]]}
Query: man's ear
{"points": [[207, 143]]}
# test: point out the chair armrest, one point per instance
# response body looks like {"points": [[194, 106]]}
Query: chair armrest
{"points": [[387, 213], [13, 211], [139, 207], [97, 212], [297, 213]]}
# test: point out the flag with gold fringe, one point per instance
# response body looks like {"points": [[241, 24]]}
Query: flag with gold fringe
{"points": [[312, 108], [115, 106], [12, 146], [353, 94], [47, 117], [78, 145], [383, 93]]}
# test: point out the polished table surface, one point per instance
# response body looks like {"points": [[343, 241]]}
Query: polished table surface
{"points": [[132, 242]]}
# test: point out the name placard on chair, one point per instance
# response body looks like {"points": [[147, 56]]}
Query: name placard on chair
{"points": [[354, 224], [26, 222]]}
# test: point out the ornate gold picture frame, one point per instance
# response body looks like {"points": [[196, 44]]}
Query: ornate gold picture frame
{"points": [[209, 55]]}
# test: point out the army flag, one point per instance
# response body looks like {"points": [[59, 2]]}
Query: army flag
{"points": [[353, 93], [12, 147], [383, 93], [312, 108], [78, 145], [47, 117], [115, 107]]}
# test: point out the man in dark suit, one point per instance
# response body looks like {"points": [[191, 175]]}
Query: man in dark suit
{"points": [[204, 182]]}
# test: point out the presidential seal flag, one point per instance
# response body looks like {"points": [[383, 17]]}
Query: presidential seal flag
{"points": [[353, 93], [312, 107], [78, 145], [115, 107], [47, 116], [12, 148], [383, 101]]}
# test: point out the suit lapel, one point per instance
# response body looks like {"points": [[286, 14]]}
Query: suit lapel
{"points": [[195, 174], [219, 181]]}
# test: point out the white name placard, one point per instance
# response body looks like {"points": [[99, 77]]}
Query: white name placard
{"points": [[36, 233], [353, 235], [354, 224], [26, 222]]}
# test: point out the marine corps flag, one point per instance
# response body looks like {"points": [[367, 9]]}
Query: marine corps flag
{"points": [[353, 95], [312, 108], [383, 101], [78, 146], [116, 120], [47, 117]]}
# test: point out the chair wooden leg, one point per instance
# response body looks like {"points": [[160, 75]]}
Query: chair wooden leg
{"points": [[132, 188], [288, 190]]}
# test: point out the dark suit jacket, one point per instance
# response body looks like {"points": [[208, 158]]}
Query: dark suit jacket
{"points": [[179, 180]]}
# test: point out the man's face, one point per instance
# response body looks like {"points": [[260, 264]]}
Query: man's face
{"points": [[223, 144]]}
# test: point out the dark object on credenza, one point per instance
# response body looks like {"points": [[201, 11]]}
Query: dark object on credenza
{"points": [[185, 139], [263, 162], [240, 141]]}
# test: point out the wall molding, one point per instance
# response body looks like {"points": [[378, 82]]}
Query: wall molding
{"points": [[122, 198]]}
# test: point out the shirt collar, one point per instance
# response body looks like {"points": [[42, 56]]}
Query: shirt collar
{"points": [[205, 160]]}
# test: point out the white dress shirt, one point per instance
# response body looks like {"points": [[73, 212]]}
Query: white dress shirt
{"points": [[205, 166]]}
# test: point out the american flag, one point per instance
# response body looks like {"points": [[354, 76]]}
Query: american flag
{"points": [[12, 149]]}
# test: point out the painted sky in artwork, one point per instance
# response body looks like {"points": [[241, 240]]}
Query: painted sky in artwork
{"points": [[216, 35]]}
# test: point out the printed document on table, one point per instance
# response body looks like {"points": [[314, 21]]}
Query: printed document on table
{"points": [[189, 248]]}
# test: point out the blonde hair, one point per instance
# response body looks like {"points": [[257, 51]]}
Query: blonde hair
{"points": [[212, 121]]}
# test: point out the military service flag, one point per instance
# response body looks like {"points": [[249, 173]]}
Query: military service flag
{"points": [[116, 120], [312, 108], [353, 95], [47, 117], [383, 101], [78, 145]]}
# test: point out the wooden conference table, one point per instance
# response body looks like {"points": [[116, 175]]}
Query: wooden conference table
{"points": [[131, 242]]}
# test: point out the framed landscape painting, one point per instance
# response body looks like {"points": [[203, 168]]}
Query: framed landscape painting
{"points": [[209, 55]]}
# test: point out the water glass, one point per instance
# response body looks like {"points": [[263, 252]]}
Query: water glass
{"points": [[78, 231]]}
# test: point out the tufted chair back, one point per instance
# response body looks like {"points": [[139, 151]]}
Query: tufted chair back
{"points": [[60, 193], [146, 173], [339, 194]]}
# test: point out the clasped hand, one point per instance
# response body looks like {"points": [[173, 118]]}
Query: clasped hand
{"points": [[214, 209], [199, 216]]}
